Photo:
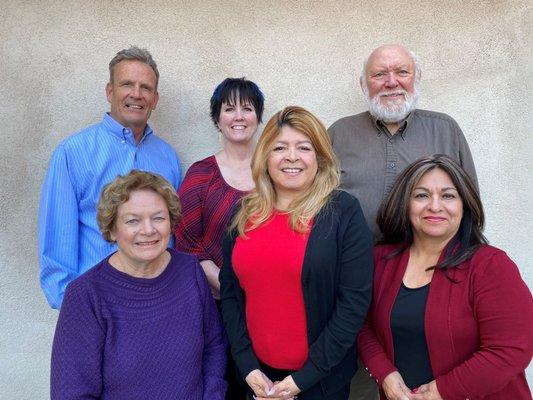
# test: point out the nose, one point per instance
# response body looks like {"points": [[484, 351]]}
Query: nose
{"points": [[434, 204], [292, 154], [391, 80], [136, 91], [147, 228], [238, 114]]}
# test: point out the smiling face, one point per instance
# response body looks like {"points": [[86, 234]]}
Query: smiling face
{"points": [[435, 207], [389, 83], [292, 164], [142, 230], [132, 95], [237, 122]]}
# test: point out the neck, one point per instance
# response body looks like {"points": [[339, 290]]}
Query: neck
{"points": [[393, 127], [283, 200], [428, 248], [150, 269], [237, 152], [138, 133]]}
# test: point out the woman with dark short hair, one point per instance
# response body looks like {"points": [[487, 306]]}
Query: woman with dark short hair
{"points": [[451, 317], [214, 185], [296, 277], [142, 323]]}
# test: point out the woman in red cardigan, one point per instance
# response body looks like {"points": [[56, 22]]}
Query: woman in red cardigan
{"points": [[451, 317]]}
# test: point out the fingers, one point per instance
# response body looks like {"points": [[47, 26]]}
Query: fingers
{"points": [[259, 383], [286, 389]]}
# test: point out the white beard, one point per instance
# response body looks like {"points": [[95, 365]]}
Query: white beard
{"points": [[394, 111]]}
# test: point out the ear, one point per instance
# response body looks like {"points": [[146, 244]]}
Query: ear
{"points": [[156, 99], [112, 235], [109, 91]]}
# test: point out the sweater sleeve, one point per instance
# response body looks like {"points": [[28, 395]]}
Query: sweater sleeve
{"points": [[189, 233], [503, 307], [353, 297], [214, 354], [77, 350], [371, 350], [231, 296]]}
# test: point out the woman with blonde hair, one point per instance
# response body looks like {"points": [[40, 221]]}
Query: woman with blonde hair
{"points": [[297, 271]]}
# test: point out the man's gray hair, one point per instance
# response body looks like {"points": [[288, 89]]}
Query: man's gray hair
{"points": [[414, 57], [134, 53]]}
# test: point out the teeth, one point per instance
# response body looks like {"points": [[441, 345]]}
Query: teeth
{"points": [[291, 170], [238, 127], [134, 106], [147, 243]]}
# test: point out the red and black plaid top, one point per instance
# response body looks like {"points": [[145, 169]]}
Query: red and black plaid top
{"points": [[207, 203]]}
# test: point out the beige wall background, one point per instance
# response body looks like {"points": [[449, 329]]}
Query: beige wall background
{"points": [[477, 67]]}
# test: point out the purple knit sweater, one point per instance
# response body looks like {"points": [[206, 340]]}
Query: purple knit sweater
{"points": [[120, 337]]}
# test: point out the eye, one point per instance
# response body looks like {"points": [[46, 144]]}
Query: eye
{"points": [[448, 196], [132, 221], [378, 75], [420, 195], [305, 148], [403, 72], [249, 109], [159, 219], [278, 148]]}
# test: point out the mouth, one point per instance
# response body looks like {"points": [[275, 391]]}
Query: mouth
{"points": [[434, 219], [147, 243], [238, 127], [134, 106], [393, 95], [291, 171]]}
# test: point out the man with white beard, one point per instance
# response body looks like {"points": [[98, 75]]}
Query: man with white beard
{"points": [[375, 146]]}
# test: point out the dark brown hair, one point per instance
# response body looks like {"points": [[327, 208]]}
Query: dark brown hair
{"points": [[393, 214]]}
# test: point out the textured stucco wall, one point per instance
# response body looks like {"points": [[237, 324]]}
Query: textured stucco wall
{"points": [[477, 67]]}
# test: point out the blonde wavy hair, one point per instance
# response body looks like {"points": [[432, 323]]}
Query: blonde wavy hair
{"points": [[258, 206]]}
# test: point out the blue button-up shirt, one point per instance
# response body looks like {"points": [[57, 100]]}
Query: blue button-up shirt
{"points": [[69, 238]]}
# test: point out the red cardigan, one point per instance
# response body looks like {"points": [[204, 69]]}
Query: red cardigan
{"points": [[479, 331]]}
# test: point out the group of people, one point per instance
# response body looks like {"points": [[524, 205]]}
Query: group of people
{"points": [[274, 266]]}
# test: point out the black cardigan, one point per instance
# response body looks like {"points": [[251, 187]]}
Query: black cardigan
{"points": [[337, 288]]}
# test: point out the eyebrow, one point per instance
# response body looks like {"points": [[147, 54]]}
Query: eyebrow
{"points": [[442, 190]]}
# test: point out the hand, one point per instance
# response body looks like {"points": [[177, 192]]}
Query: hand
{"points": [[428, 391], [211, 272], [286, 389], [259, 383], [394, 387]]}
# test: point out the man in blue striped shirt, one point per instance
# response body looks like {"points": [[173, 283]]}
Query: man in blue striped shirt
{"points": [[69, 238]]}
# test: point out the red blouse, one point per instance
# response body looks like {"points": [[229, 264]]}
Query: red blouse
{"points": [[268, 264], [207, 203]]}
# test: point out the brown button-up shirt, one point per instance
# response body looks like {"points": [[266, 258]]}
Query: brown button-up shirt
{"points": [[371, 158]]}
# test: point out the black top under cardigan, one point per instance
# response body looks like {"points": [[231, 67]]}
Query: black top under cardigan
{"points": [[337, 287]]}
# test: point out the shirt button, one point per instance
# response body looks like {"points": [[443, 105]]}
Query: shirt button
{"points": [[392, 165]]}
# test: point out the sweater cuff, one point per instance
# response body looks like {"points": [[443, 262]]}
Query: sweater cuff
{"points": [[246, 362], [379, 367], [307, 376]]}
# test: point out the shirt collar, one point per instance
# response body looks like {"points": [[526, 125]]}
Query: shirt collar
{"points": [[382, 129], [121, 132]]}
